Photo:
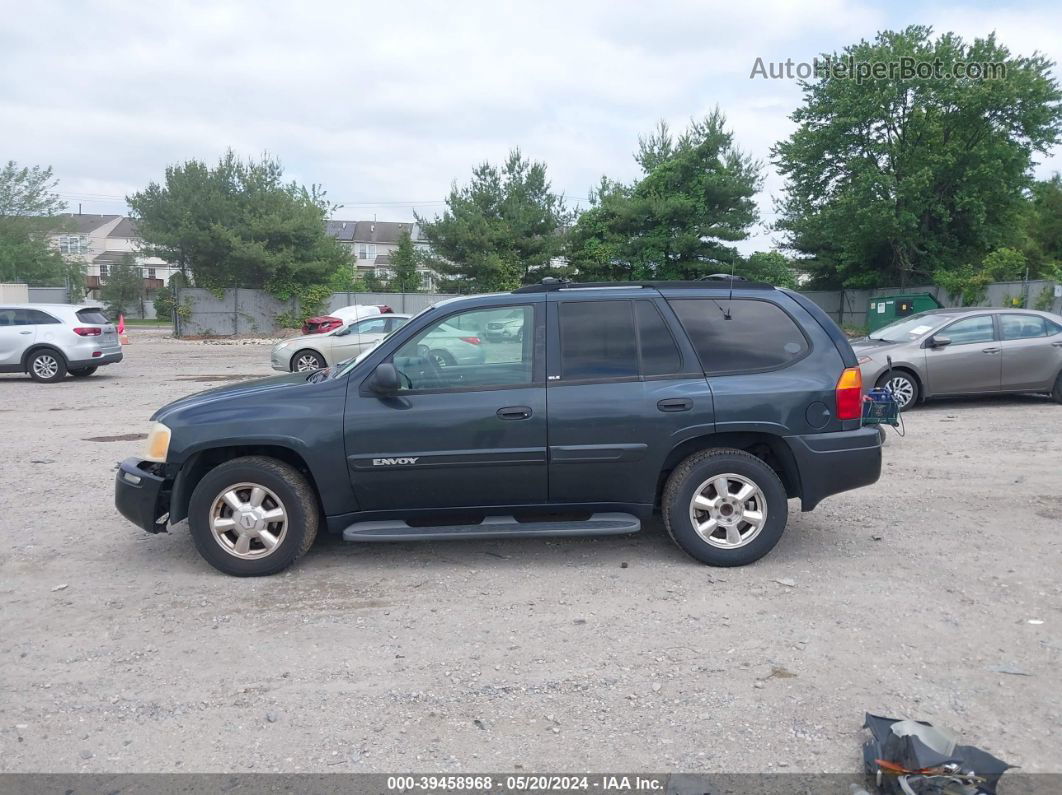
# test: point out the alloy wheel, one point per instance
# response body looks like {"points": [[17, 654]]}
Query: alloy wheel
{"points": [[248, 520], [45, 366], [728, 511], [902, 389]]}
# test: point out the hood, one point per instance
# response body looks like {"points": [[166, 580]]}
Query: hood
{"points": [[239, 390], [868, 347]]}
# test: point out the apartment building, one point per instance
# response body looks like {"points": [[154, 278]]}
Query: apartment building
{"points": [[372, 243]]}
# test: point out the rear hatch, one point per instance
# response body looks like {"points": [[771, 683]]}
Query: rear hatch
{"points": [[107, 339]]}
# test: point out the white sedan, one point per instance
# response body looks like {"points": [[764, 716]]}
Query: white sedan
{"points": [[314, 351]]}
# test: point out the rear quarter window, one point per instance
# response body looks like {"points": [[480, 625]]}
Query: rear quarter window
{"points": [[91, 316], [758, 335]]}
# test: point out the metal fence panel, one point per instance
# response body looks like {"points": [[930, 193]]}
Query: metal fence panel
{"points": [[48, 295], [245, 312]]}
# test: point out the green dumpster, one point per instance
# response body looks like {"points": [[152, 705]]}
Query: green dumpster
{"points": [[885, 309]]}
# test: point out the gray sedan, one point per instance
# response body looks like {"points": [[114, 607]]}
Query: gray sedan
{"points": [[965, 352]]}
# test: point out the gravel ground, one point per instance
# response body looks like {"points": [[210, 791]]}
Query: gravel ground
{"points": [[122, 651]]}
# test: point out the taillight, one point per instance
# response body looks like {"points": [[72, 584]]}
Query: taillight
{"points": [[850, 394], [88, 331], [471, 340]]}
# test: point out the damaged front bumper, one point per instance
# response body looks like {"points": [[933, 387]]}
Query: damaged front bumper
{"points": [[142, 494]]}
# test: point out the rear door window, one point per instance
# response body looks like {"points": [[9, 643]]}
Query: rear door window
{"points": [[597, 340], [660, 353], [758, 335], [1022, 327], [36, 317], [92, 315]]}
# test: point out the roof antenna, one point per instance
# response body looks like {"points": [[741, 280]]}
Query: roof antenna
{"points": [[730, 297]]}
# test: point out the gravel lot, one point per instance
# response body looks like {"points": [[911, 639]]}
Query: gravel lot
{"points": [[121, 651]]}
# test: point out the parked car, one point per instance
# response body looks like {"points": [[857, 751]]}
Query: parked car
{"points": [[713, 405], [509, 326], [344, 315], [50, 340], [946, 352], [315, 351]]}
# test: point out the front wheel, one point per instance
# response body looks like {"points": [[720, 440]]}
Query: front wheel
{"points": [[253, 516], [725, 507], [305, 361], [904, 388], [82, 372], [1056, 393]]}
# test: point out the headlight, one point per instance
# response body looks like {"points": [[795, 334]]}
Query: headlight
{"points": [[158, 443], [863, 360], [282, 345]]}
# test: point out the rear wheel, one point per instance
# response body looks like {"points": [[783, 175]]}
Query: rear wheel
{"points": [[725, 507], [442, 358], [46, 366], [82, 372], [904, 388], [253, 516], [1056, 393], [304, 361]]}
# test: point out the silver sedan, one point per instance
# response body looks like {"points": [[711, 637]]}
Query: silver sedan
{"points": [[972, 351]]}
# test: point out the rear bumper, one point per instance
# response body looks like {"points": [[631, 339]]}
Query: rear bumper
{"points": [[830, 463], [107, 358], [141, 496]]}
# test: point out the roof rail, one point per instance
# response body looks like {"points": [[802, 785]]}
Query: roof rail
{"points": [[720, 281]]}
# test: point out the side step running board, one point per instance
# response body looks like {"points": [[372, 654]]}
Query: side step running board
{"points": [[599, 524]]}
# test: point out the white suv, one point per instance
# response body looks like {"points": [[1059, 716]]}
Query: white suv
{"points": [[50, 340]]}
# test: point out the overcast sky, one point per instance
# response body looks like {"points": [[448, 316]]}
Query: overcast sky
{"points": [[386, 103]]}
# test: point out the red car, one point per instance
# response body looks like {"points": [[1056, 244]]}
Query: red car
{"points": [[325, 323]]}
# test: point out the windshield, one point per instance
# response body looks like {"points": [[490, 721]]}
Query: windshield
{"points": [[346, 366], [910, 328]]}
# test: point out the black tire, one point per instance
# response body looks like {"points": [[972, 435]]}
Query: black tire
{"points": [[295, 494], [1056, 393], [46, 361], [701, 468], [442, 358], [307, 354], [907, 383], [82, 372]]}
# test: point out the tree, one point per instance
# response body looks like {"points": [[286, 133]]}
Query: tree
{"points": [[1043, 229], [239, 224], [124, 287], [404, 265], [768, 266], [30, 211], [500, 230], [695, 197], [890, 180]]}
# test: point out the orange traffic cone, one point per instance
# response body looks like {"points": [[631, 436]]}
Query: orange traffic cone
{"points": [[122, 337]]}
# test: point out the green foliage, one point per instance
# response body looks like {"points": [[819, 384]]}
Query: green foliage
{"points": [[124, 287], [1045, 299], [500, 230], [165, 299], [404, 265], [239, 224], [695, 196], [768, 266], [1043, 229], [30, 212], [968, 284], [897, 179]]}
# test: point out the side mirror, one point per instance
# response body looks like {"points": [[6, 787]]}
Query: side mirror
{"points": [[939, 342], [384, 379]]}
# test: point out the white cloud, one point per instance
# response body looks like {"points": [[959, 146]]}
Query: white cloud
{"points": [[389, 103]]}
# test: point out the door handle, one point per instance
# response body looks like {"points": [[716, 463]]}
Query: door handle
{"points": [[675, 404], [1057, 344], [25, 332], [514, 413], [990, 350]]}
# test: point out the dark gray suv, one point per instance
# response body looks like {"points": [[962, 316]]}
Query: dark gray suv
{"points": [[712, 401]]}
